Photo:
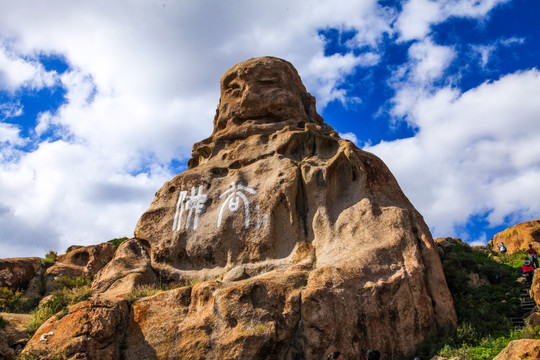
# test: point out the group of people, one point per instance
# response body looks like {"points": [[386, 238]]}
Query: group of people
{"points": [[530, 263]]}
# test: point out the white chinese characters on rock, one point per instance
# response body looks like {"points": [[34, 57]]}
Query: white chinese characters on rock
{"points": [[194, 204], [235, 198]]}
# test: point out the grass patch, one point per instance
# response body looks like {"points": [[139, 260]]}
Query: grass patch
{"points": [[70, 291], [153, 289], [50, 259]]}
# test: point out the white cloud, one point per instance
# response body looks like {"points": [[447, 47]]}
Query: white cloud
{"points": [[16, 72], [475, 152], [418, 16], [413, 80], [141, 88]]}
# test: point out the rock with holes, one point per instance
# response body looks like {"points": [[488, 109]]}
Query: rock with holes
{"points": [[284, 242], [275, 190], [519, 236], [79, 261]]}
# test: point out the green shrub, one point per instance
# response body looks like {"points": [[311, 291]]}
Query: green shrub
{"points": [[3, 322], [13, 301], [484, 328], [63, 282], [50, 258], [57, 304], [117, 241]]}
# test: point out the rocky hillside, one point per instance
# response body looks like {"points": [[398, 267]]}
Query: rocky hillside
{"points": [[281, 241], [519, 236]]}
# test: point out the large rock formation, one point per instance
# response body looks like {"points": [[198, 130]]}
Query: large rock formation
{"points": [[519, 236], [298, 242]]}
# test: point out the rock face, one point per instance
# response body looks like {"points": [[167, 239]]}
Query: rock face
{"points": [[519, 236], [520, 349], [91, 330], [16, 273], [298, 242], [79, 261]]}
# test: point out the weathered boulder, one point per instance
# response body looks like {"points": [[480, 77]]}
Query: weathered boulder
{"points": [[274, 189], [14, 335], [520, 349], [299, 241], [16, 273], [129, 268], [519, 236], [533, 319], [252, 319], [91, 258], [91, 330], [79, 261]]}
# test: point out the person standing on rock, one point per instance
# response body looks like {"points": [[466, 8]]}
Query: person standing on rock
{"points": [[502, 248], [533, 256], [528, 271]]}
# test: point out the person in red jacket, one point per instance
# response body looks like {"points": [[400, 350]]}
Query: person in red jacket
{"points": [[527, 270], [533, 256]]}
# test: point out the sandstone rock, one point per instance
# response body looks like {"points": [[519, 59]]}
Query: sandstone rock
{"points": [[520, 349], [519, 236], [533, 319], [79, 261], [15, 331], [275, 189], [300, 242], [129, 268], [475, 281], [251, 319], [16, 273], [443, 243], [535, 288], [91, 330], [91, 258]]}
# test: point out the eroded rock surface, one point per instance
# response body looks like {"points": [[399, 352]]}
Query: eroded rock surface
{"points": [[92, 329], [520, 349], [79, 261], [299, 241]]}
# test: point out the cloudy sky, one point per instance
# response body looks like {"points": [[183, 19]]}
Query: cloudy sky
{"points": [[100, 102]]}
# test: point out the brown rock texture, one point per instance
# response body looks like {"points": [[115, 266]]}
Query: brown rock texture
{"points": [[520, 349], [92, 329], [16, 273], [129, 268], [519, 236], [535, 288], [298, 243], [275, 190], [79, 261]]}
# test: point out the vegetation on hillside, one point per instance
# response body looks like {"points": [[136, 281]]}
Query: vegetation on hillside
{"points": [[117, 241], [484, 327], [70, 291], [50, 259]]}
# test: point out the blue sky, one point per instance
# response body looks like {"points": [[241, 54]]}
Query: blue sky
{"points": [[100, 103]]}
